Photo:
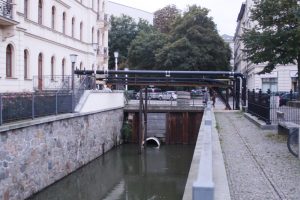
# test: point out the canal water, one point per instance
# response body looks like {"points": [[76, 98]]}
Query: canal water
{"points": [[122, 174]]}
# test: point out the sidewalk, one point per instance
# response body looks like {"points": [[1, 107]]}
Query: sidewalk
{"points": [[258, 163]]}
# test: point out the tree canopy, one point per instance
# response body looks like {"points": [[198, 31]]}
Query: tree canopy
{"points": [[192, 43], [163, 18], [275, 38]]}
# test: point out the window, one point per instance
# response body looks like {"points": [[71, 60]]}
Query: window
{"points": [[53, 18], [64, 23], [98, 6], [81, 27], [26, 64], [40, 12], [63, 68], [92, 4], [93, 35], [269, 83], [40, 71], [80, 67], [9, 60], [73, 26], [52, 67], [98, 37], [103, 5], [26, 9]]}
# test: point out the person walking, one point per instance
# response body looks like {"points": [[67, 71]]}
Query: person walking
{"points": [[213, 98]]}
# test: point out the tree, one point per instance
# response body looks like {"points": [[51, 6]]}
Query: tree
{"points": [[194, 44], [143, 48], [275, 39], [123, 30], [164, 18]]}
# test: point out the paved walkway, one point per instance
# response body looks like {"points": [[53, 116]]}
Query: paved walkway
{"points": [[258, 163]]}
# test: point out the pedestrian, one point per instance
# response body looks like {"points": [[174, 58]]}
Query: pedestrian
{"points": [[205, 97], [213, 98]]}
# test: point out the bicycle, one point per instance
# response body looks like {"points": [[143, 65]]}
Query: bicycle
{"points": [[293, 142]]}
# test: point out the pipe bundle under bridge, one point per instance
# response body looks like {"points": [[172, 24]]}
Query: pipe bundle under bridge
{"points": [[218, 81]]}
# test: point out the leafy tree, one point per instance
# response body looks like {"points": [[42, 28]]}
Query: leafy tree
{"points": [[143, 49], [164, 17], [275, 39], [194, 44], [123, 30]]}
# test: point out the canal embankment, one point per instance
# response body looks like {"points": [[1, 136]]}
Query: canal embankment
{"points": [[207, 175], [36, 153]]}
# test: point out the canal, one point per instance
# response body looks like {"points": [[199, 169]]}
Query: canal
{"points": [[123, 174]]}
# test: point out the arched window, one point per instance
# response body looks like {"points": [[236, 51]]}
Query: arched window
{"points": [[53, 17], [26, 9], [93, 67], [73, 26], [98, 37], [98, 7], [40, 71], [93, 35], [63, 63], [80, 66], [92, 4], [26, 61], [64, 23], [81, 33], [40, 12], [52, 67], [9, 60]]}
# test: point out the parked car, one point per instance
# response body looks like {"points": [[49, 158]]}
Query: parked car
{"points": [[153, 93], [168, 95], [283, 99], [198, 92]]}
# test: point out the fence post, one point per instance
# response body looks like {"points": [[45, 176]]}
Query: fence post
{"points": [[268, 102], [32, 107], [56, 104], [1, 120], [291, 94]]}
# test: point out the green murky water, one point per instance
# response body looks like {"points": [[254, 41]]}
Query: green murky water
{"points": [[122, 174]]}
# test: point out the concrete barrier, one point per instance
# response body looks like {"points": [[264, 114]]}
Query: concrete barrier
{"points": [[203, 187]]}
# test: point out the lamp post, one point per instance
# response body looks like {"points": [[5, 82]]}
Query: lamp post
{"points": [[96, 49], [73, 60], [116, 54]]}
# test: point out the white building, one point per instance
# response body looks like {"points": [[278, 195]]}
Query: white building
{"points": [[117, 9], [37, 38], [283, 78]]}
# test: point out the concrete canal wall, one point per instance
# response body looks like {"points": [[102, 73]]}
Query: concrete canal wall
{"points": [[36, 153]]}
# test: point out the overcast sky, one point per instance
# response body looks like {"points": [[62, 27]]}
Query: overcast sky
{"points": [[224, 12]]}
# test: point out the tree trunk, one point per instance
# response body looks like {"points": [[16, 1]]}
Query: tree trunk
{"points": [[298, 83]]}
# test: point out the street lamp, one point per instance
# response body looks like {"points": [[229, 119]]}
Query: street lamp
{"points": [[116, 54], [73, 58]]}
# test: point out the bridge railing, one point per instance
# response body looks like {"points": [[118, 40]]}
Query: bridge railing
{"points": [[21, 106]]}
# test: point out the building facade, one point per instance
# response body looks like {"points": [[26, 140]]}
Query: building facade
{"points": [[38, 36], [282, 78], [117, 9]]}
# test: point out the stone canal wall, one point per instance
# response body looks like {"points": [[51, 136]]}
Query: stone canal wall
{"points": [[36, 153]]}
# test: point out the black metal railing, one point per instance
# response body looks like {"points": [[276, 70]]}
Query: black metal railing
{"points": [[6, 9], [259, 105], [20, 106], [265, 106]]}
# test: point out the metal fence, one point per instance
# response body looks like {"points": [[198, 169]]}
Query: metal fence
{"points": [[52, 83], [266, 105], [6, 8], [20, 106]]}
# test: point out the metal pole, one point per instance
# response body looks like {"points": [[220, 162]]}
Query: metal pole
{"points": [[1, 110], [56, 104], [32, 107], [145, 115], [73, 83], [140, 122], [237, 89]]}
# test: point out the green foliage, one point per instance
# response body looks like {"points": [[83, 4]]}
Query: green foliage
{"points": [[275, 39], [126, 131], [143, 49], [193, 43], [164, 18]]}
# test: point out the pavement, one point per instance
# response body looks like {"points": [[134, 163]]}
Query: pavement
{"points": [[258, 163]]}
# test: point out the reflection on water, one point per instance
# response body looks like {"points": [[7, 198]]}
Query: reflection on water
{"points": [[123, 174]]}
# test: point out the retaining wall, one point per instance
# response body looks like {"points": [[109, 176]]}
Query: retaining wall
{"points": [[36, 153]]}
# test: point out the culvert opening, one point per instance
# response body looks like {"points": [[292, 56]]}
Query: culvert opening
{"points": [[153, 142]]}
